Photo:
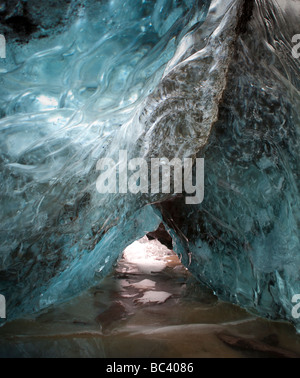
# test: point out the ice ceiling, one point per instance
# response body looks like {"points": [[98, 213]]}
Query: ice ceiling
{"points": [[172, 78]]}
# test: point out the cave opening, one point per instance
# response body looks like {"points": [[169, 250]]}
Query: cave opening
{"points": [[148, 266]]}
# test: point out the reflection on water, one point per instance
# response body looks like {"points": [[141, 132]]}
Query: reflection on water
{"points": [[150, 306]]}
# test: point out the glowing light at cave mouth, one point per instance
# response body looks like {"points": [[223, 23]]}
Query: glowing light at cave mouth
{"points": [[149, 256]]}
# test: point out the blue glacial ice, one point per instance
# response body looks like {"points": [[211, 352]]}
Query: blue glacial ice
{"points": [[64, 97], [167, 78]]}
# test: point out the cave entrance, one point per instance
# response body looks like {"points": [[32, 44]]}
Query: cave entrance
{"points": [[150, 271], [151, 254], [150, 287]]}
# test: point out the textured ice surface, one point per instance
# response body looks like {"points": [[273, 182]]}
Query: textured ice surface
{"points": [[63, 100], [117, 76], [244, 239]]}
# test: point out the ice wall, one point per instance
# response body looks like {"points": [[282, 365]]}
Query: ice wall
{"points": [[244, 239], [167, 78], [66, 91]]}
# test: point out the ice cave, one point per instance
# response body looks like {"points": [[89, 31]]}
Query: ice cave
{"points": [[85, 272]]}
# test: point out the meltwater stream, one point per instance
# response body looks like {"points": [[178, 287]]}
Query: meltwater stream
{"points": [[150, 306]]}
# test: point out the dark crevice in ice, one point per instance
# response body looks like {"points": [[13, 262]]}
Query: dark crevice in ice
{"points": [[246, 15], [162, 236], [22, 20]]}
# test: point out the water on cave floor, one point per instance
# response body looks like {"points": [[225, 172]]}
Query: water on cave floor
{"points": [[150, 306]]}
